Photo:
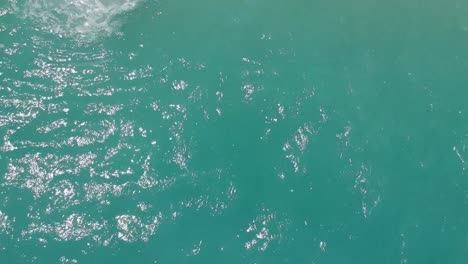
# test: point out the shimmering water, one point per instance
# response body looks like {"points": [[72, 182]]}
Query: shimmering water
{"points": [[250, 131]]}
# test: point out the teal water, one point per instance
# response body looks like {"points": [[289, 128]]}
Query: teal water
{"points": [[247, 131]]}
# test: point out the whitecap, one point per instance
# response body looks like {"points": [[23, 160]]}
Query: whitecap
{"points": [[82, 19]]}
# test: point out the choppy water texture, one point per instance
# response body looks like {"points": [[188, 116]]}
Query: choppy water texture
{"points": [[246, 131]]}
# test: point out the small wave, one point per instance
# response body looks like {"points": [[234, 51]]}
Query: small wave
{"points": [[83, 19]]}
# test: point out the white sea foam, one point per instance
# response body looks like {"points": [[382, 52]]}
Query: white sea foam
{"points": [[75, 18]]}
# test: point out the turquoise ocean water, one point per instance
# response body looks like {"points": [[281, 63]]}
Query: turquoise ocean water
{"points": [[249, 131]]}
